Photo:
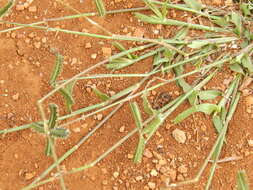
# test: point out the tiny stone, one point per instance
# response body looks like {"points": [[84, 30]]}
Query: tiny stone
{"points": [[29, 175], [147, 153], [20, 7], [44, 40], [37, 44], [179, 135], [94, 56], [116, 174], [176, 93], [153, 172], [250, 142], [182, 169], [15, 97], [88, 45], [115, 188], [151, 185], [16, 156], [122, 129], [107, 52], [32, 9], [105, 182], [130, 156], [77, 130], [138, 178], [99, 117]]}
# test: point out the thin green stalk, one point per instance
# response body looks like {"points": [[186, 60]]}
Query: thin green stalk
{"points": [[184, 8], [113, 37]]}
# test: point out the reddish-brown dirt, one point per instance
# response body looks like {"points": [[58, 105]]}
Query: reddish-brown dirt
{"points": [[26, 63]]}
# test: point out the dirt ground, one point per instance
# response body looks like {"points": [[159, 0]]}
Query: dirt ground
{"points": [[25, 67]]}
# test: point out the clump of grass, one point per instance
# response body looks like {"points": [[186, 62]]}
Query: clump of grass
{"points": [[168, 55]]}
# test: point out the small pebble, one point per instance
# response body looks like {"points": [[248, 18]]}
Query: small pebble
{"points": [[88, 45], [115, 174], [29, 175], [32, 9], [15, 96], [93, 56], [107, 52], [99, 117], [182, 169], [122, 129], [179, 135], [151, 185], [77, 130], [20, 7], [153, 172], [147, 153], [250, 142], [105, 182], [138, 178]]}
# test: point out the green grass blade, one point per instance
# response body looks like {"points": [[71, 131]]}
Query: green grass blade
{"points": [[101, 95], [242, 181], [59, 133], [100, 7], [146, 105], [67, 93], [205, 108], [122, 48], [5, 9], [139, 150], [48, 149], [53, 116], [57, 69], [153, 8], [209, 94], [137, 114], [156, 20], [217, 122], [152, 127], [196, 5]]}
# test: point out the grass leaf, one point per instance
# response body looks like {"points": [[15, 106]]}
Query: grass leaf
{"points": [[236, 68], [56, 132], [53, 116], [57, 69], [139, 150], [151, 128], [7, 7], [100, 7], [154, 8], [122, 48], [205, 108], [247, 63], [137, 114], [194, 4], [217, 122], [236, 19], [209, 94], [146, 105], [242, 181], [119, 63], [100, 94]]}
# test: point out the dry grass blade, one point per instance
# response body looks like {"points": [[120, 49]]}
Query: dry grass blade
{"points": [[242, 181], [6, 8], [100, 7]]}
